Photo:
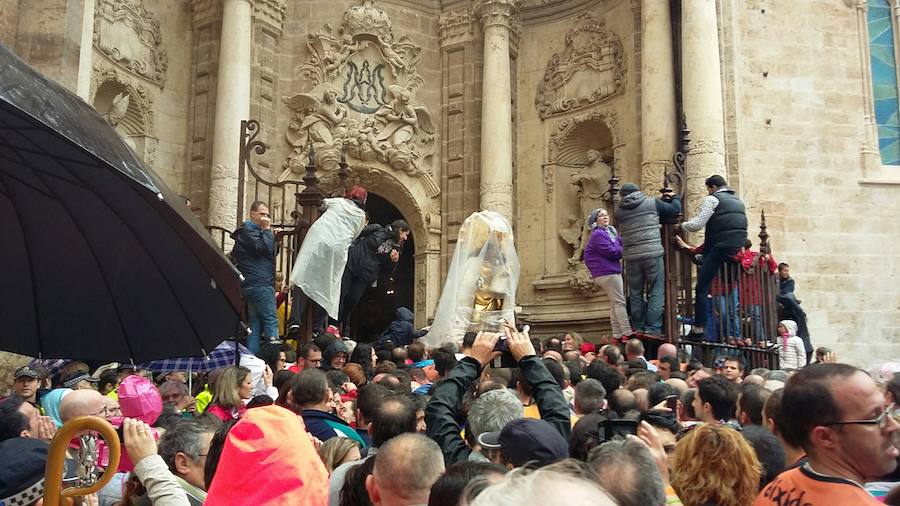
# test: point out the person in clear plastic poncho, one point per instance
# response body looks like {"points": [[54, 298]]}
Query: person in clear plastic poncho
{"points": [[322, 257], [479, 293]]}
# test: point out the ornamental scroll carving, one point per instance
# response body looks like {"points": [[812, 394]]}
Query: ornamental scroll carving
{"points": [[130, 36], [590, 69], [362, 99]]}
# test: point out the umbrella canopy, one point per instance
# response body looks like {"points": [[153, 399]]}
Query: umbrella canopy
{"points": [[100, 260], [222, 356]]}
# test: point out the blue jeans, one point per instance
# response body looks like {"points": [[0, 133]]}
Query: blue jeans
{"points": [[726, 318], [261, 313], [646, 314], [712, 260]]}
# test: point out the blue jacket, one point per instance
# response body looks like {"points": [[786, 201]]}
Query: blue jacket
{"points": [[401, 331], [325, 426], [254, 253]]}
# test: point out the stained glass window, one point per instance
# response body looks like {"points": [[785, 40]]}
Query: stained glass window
{"points": [[884, 80]]}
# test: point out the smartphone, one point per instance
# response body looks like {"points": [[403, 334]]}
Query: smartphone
{"points": [[672, 402], [617, 429]]}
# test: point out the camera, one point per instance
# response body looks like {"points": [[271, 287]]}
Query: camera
{"points": [[611, 429]]}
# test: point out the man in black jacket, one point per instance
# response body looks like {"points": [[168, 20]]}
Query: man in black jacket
{"points": [[374, 253], [254, 253], [443, 410], [724, 219]]}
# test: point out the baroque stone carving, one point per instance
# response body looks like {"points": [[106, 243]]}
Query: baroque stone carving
{"points": [[271, 12], [362, 100], [456, 26], [130, 36], [607, 116], [132, 100], [590, 69]]}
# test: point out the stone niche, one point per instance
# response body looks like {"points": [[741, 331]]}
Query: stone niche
{"points": [[128, 107]]}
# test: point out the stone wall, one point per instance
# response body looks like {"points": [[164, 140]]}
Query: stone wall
{"points": [[799, 129]]}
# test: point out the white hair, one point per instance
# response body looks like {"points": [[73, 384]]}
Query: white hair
{"points": [[540, 488]]}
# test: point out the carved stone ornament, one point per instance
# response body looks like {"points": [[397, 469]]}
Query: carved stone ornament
{"points": [[590, 69], [271, 12], [581, 280], [456, 26], [362, 100], [131, 103], [130, 36]]}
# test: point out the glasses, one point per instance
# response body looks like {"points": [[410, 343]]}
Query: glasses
{"points": [[103, 412], [880, 420]]}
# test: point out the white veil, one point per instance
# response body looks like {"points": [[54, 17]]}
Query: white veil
{"points": [[485, 266]]}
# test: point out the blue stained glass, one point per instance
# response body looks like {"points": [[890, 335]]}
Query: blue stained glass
{"points": [[884, 80]]}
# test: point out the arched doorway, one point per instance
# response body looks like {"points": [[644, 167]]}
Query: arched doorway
{"points": [[376, 309]]}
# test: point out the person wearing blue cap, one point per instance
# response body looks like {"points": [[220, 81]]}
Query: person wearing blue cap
{"points": [[22, 472], [525, 441]]}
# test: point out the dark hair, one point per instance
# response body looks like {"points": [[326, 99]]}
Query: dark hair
{"points": [[362, 355], [12, 421], [399, 225], [368, 398], [720, 394], [612, 355], [216, 445], [716, 180], [575, 369], [469, 339], [585, 436], [354, 492], [606, 374], [642, 378], [260, 401], [336, 378], [659, 392], [281, 378], [693, 365], [687, 401], [255, 205], [448, 489], [553, 343], [893, 386], [807, 401], [444, 361], [768, 450], [306, 349], [742, 364], [309, 387], [782, 265], [752, 400], [396, 415], [107, 378], [324, 341], [396, 355], [416, 351], [270, 353], [556, 370], [674, 364]]}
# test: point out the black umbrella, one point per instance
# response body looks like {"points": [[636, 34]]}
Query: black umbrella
{"points": [[99, 259]]}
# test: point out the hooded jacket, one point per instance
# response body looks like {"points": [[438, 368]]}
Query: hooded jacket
{"points": [[401, 331], [254, 253], [793, 352], [325, 426], [332, 350], [369, 255], [269, 459], [637, 218]]}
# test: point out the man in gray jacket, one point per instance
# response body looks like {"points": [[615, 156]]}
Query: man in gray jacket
{"points": [[637, 219]]}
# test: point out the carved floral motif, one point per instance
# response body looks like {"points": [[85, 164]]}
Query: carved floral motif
{"points": [[130, 36], [590, 69], [362, 99]]}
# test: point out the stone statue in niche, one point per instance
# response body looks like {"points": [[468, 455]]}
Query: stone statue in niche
{"points": [[592, 183], [130, 35], [117, 109], [367, 80], [590, 69]]}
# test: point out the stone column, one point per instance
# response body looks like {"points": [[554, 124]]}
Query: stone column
{"points": [[497, 19], [232, 106], [658, 122], [86, 52], [702, 87]]}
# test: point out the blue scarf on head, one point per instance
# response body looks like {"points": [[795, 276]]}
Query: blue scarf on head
{"points": [[50, 402]]}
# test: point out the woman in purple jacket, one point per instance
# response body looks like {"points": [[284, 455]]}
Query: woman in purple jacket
{"points": [[602, 256]]}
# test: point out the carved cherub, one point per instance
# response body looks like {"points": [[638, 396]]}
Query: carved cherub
{"points": [[572, 234], [392, 57], [333, 60], [322, 119], [401, 119]]}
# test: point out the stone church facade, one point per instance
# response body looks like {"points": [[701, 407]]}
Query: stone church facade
{"points": [[525, 107]]}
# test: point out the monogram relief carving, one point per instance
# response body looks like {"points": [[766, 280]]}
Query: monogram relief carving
{"points": [[130, 36]]}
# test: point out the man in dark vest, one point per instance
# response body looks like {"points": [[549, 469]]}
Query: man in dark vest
{"points": [[725, 221], [637, 218]]}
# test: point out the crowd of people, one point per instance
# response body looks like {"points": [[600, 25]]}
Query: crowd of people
{"points": [[343, 423]]}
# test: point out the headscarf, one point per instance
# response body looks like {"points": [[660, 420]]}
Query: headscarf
{"points": [[50, 402], [791, 327], [269, 442]]}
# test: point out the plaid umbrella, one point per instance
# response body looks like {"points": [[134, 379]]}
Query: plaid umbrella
{"points": [[53, 365], [221, 356]]}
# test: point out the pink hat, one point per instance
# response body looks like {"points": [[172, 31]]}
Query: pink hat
{"points": [[140, 399]]}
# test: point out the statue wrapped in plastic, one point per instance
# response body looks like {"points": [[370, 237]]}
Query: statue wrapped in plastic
{"points": [[480, 290]]}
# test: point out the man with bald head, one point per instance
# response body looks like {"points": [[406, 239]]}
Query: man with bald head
{"points": [[82, 403], [405, 469]]}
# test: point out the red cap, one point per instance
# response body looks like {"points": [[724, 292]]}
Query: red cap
{"points": [[588, 348]]}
